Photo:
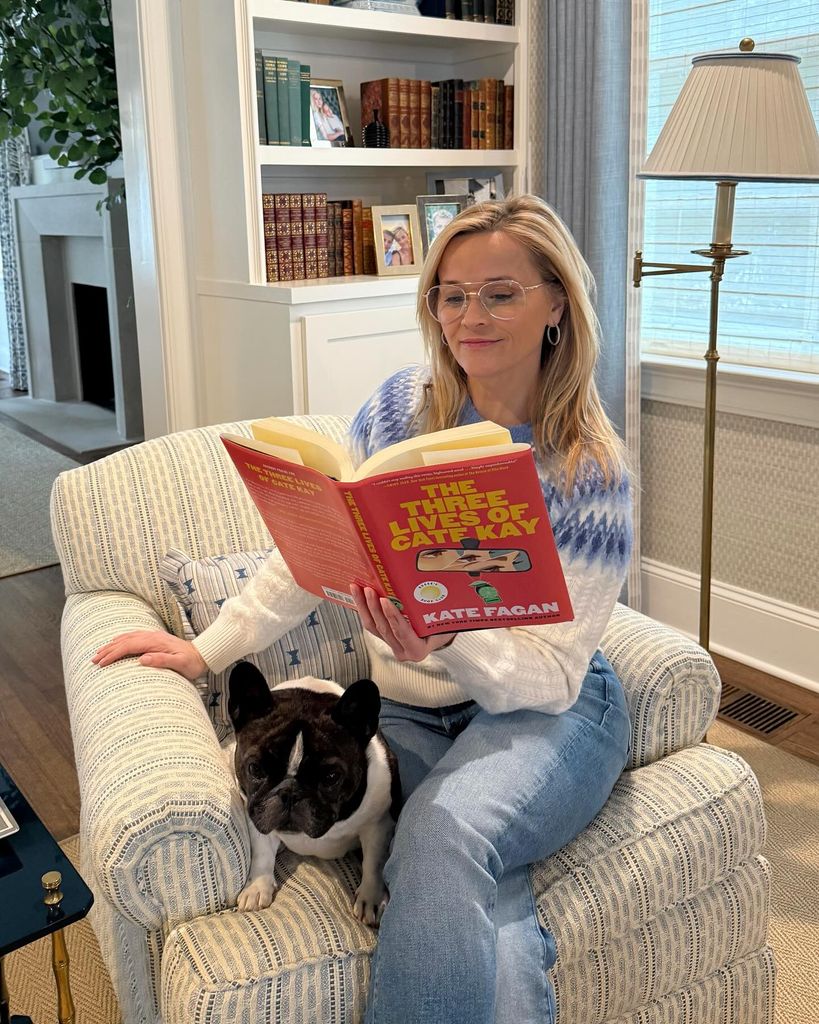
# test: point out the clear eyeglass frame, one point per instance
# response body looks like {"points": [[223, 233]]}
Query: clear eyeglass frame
{"points": [[517, 295]]}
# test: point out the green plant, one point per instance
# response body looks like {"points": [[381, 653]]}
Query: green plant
{"points": [[61, 52]]}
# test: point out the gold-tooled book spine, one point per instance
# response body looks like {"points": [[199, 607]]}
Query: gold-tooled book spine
{"points": [[297, 236], [271, 249], [322, 233]]}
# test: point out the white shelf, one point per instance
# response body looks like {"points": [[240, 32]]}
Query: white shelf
{"points": [[339, 156], [329, 289], [381, 27]]}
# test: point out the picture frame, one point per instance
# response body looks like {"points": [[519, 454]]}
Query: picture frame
{"points": [[401, 255], [490, 186], [329, 121], [435, 212]]}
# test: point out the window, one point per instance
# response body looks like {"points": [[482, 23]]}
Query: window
{"points": [[769, 300]]}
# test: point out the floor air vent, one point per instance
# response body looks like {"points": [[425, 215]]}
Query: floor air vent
{"points": [[754, 713]]}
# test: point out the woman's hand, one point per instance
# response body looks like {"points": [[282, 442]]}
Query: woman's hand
{"points": [[381, 618], [156, 648]]}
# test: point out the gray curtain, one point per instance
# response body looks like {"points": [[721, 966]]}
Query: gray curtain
{"points": [[579, 106], [586, 49], [15, 165]]}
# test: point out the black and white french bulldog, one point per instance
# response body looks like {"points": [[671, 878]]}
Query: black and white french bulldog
{"points": [[316, 776]]}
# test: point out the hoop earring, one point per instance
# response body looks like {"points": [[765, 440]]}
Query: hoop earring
{"points": [[443, 340], [553, 341]]}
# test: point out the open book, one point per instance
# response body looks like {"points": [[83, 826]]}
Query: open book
{"points": [[450, 526]]}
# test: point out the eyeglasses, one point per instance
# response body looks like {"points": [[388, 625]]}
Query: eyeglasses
{"points": [[503, 300]]}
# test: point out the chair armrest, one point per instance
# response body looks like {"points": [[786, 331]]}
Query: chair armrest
{"points": [[161, 819], [671, 684]]}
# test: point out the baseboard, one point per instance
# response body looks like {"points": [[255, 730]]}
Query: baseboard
{"points": [[770, 635]]}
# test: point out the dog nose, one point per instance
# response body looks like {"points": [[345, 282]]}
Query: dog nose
{"points": [[286, 792]]}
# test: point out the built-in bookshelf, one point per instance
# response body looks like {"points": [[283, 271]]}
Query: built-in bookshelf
{"points": [[272, 348]]}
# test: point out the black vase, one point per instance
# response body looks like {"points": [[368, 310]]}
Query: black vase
{"points": [[376, 135]]}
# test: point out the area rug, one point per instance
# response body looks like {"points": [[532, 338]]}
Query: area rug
{"points": [[27, 471], [790, 788], [31, 982], [790, 791]]}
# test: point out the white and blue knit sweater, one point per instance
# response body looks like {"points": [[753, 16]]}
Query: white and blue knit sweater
{"points": [[538, 667]]}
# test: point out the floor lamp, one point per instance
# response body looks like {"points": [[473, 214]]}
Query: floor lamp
{"points": [[739, 117]]}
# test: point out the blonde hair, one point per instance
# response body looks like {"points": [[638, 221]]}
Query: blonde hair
{"points": [[567, 415]]}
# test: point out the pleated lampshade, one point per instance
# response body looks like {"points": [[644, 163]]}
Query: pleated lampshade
{"points": [[739, 117]]}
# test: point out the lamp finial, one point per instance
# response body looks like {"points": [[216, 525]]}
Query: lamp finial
{"points": [[746, 45]]}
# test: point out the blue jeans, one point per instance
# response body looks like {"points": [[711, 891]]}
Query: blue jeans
{"points": [[485, 796]]}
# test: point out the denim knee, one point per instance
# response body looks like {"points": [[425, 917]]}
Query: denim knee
{"points": [[440, 851]]}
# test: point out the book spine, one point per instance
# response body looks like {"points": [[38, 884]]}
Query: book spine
{"points": [[491, 113], [490, 13], [260, 112], [466, 137], [478, 9], [331, 240], [404, 108], [305, 103], [271, 100], [339, 233], [475, 142], [347, 243], [482, 115], [358, 236], [458, 109], [500, 103], [284, 242], [322, 239], [415, 113], [509, 117], [283, 101], [297, 235], [271, 250], [369, 240], [294, 100], [309, 235], [435, 115], [426, 125]]}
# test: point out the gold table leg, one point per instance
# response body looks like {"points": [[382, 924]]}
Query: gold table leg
{"points": [[59, 953]]}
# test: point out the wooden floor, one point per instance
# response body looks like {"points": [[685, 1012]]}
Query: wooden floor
{"points": [[35, 737]]}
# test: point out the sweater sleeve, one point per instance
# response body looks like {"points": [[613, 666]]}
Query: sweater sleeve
{"points": [[542, 667], [269, 606]]}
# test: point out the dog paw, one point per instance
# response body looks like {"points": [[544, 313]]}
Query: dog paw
{"points": [[370, 903], [257, 894]]}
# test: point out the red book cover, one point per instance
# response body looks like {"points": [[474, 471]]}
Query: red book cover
{"points": [[382, 95], [297, 235], [284, 241], [460, 546]]}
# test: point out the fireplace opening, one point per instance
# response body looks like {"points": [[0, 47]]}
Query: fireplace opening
{"points": [[94, 345]]}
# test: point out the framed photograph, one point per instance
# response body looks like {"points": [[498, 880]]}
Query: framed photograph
{"points": [[477, 189], [398, 245], [329, 123], [435, 212]]}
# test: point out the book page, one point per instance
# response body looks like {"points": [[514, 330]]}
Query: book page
{"points": [[408, 454], [316, 450], [444, 455]]}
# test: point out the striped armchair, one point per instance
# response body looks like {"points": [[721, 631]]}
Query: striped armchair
{"points": [[659, 908]]}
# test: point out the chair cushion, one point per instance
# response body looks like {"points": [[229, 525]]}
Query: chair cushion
{"points": [[329, 644]]}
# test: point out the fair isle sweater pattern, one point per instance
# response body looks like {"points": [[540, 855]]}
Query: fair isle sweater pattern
{"points": [[535, 667]]}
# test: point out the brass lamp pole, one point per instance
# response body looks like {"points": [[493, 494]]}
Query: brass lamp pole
{"points": [[718, 252], [739, 117]]}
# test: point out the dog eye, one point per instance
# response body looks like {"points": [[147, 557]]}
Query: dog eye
{"points": [[331, 776], [254, 770]]}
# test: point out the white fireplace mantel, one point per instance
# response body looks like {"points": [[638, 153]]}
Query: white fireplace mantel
{"points": [[63, 239]]}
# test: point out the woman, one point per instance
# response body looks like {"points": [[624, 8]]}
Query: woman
{"points": [[404, 255], [509, 740]]}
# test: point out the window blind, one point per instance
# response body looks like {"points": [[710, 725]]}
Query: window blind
{"points": [[769, 300]]}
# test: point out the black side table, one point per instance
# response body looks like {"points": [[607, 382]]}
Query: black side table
{"points": [[40, 894]]}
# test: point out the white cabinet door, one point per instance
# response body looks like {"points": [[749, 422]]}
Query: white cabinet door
{"points": [[345, 356]]}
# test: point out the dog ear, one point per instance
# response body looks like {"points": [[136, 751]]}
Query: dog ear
{"points": [[250, 696], [357, 710]]}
